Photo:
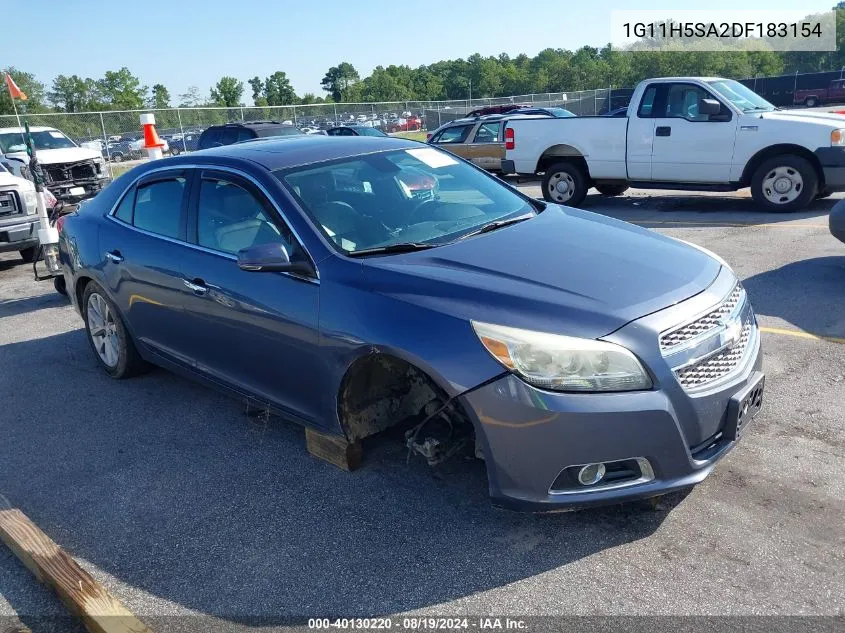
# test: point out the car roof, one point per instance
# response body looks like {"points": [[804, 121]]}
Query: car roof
{"points": [[293, 151]]}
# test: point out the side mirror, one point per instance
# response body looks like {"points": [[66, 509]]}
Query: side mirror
{"points": [[272, 257], [709, 107]]}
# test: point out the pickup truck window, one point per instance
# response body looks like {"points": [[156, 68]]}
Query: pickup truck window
{"points": [[647, 103], [682, 102]]}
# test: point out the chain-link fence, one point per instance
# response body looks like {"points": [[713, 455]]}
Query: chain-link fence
{"points": [[117, 134]]}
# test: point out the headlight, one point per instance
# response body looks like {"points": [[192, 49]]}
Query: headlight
{"points": [[837, 137], [30, 201], [563, 363]]}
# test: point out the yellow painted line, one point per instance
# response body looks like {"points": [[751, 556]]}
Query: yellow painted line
{"points": [[802, 334], [718, 224]]}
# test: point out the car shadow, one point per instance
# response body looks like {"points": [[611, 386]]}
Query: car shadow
{"points": [[170, 488], [809, 294], [680, 210], [12, 307]]}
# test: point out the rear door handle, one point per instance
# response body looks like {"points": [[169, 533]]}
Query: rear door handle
{"points": [[114, 256], [197, 285], [663, 130]]}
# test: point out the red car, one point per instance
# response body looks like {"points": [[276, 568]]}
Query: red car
{"points": [[834, 93]]}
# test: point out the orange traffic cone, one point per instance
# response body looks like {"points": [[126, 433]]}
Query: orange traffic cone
{"points": [[152, 143]]}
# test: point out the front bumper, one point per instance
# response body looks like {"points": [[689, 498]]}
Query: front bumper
{"points": [[529, 436], [71, 192], [832, 160], [19, 234]]}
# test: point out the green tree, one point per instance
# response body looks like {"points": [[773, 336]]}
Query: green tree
{"points": [[228, 92], [257, 86], [278, 90], [161, 97], [32, 88], [121, 90], [339, 79], [191, 98], [75, 94]]}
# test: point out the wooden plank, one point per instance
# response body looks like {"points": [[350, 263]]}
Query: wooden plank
{"points": [[334, 449], [84, 596]]}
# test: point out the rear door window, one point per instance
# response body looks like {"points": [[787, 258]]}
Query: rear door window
{"points": [[158, 207], [488, 133], [454, 134], [230, 135]]}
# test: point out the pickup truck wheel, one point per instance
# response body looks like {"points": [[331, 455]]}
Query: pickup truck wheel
{"points": [[107, 335], [565, 183], [784, 183], [824, 193], [174, 151], [29, 254], [611, 190], [811, 102]]}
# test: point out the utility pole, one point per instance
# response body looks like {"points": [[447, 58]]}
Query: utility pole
{"points": [[470, 91]]}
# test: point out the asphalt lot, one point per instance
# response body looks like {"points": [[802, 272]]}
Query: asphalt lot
{"points": [[181, 505]]}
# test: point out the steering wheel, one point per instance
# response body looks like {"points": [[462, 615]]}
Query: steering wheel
{"points": [[418, 213]]}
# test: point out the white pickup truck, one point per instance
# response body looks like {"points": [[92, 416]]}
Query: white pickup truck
{"points": [[687, 133]]}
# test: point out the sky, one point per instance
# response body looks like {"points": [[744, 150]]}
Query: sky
{"points": [[181, 43]]}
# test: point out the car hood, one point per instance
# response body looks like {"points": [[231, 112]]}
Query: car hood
{"points": [[9, 180], [828, 119], [53, 156], [565, 271]]}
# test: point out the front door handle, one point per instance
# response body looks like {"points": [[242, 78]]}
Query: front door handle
{"points": [[114, 256], [663, 130], [197, 285]]}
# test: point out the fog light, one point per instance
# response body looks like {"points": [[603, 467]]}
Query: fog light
{"points": [[591, 474]]}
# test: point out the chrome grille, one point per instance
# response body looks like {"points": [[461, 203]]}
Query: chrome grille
{"points": [[709, 321], [719, 365], [8, 204]]}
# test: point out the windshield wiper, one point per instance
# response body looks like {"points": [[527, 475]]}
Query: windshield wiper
{"points": [[401, 247], [497, 224]]}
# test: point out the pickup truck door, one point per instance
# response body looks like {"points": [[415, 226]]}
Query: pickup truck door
{"points": [[688, 146], [641, 136]]}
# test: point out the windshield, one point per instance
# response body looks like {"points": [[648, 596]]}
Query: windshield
{"points": [[742, 97], [369, 131], [560, 112], [420, 195], [48, 139]]}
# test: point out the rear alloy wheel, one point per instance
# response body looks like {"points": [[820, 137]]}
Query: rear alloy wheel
{"points": [[784, 183], [108, 336], [565, 183], [174, 151], [611, 190], [29, 254], [811, 102]]}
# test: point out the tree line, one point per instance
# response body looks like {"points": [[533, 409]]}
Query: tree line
{"points": [[551, 70]]}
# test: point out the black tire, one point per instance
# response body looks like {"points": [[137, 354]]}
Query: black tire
{"points": [[611, 190], [174, 151], [571, 174], [116, 158], [794, 168], [60, 285], [811, 102], [29, 254], [824, 193], [128, 362]]}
